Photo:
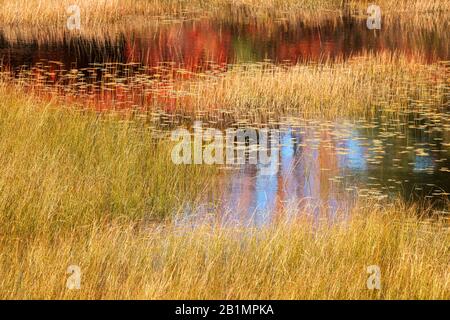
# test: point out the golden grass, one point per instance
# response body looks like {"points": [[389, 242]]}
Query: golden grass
{"points": [[408, 6], [71, 168], [96, 12], [301, 259], [357, 87], [111, 11], [78, 188]]}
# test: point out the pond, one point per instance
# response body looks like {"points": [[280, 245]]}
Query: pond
{"points": [[192, 44], [325, 166], [321, 164]]}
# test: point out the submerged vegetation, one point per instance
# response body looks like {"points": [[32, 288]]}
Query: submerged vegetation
{"points": [[357, 87]]}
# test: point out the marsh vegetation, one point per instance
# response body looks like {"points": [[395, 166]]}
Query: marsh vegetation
{"points": [[363, 166]]}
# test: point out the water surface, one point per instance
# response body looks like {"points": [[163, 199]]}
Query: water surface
{"points": [[325, 166], [321, 165], [192, 44]]}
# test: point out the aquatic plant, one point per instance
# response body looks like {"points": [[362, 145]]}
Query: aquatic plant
{"points": [[357, 87]]}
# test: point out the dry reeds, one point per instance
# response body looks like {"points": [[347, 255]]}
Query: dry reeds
{"points": [[356, 87], [53, 12], [296, 260]]}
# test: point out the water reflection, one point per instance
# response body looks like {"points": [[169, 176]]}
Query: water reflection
{"points": [[193, 44], [324, 166]]}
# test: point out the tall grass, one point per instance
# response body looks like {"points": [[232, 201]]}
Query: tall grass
{"points": [[356, 87], [302, 259], [80, 188], [111, 11], [97, 12], [71, 168]]}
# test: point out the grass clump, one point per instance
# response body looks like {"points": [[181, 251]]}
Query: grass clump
{"points": [[64, 167], [97, 12], [307, 258], [357, 87]]}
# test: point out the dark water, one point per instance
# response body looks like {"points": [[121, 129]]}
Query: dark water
{"points": [[325, 166], [192, 44], [322, 166]]}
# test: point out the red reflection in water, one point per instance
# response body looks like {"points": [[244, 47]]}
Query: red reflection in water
{"points": [[189, 47], [194, 44], [208, 46]]}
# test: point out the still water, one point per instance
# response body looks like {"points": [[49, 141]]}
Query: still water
{"points": [[192, 44], [321, 165], [324, 166]]}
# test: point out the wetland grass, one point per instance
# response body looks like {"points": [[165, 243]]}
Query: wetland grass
{"points": [[93, 189], [308, 258], [71, 167], [96, 13], [357, 87]]}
